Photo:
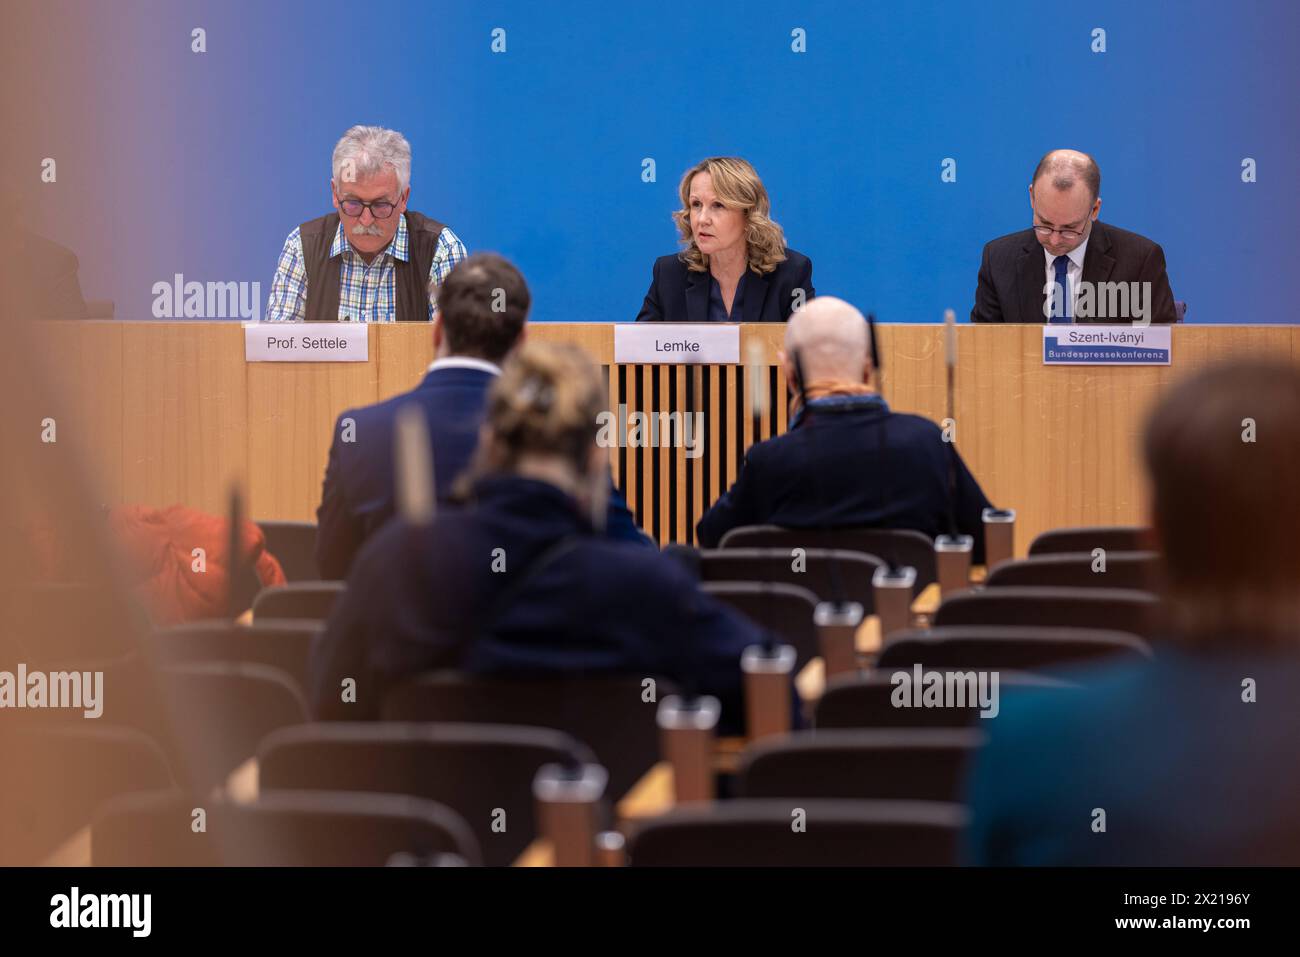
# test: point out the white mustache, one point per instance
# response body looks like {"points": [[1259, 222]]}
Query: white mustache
{"points": [[359, 230]]}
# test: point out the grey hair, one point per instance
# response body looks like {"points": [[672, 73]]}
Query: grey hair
{"points": [[369, 150]]}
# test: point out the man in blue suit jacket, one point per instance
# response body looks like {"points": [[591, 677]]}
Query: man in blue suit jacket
{"points": [[1189, 760], [847, 461], [471, 337]]}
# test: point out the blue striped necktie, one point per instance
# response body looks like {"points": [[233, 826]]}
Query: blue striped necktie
{"points": [[1062, 314]]}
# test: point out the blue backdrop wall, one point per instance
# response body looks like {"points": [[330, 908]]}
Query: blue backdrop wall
{"points": [[206, 160]]}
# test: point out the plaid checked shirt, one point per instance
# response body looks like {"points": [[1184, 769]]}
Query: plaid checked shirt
{"points": [[366, 293]]}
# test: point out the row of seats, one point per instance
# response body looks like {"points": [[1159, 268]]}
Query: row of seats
{"points": [[240, 687]]}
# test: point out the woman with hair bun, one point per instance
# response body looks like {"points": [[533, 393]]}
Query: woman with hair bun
{"points": [[515, 579], [735, 266]]}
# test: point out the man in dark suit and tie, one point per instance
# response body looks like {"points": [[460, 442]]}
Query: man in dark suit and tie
{"points": [[1069, 266], [482, 307], [847, 460], [1188, 759]]}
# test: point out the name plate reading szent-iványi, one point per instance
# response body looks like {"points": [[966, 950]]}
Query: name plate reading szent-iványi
{"points": [[672, 343], [1089, 345], [306, 342]]}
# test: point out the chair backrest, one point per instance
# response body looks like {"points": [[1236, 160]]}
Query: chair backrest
{"points": [[757, 833], [280, 643], [294, 546], [222, 711], [785, 610], [1008, 647], [611, 714], [61, 774], [912, 764], [822, 571], [63, 621], [312, 601], [1110, 609], [1113, 538], [482, 772], [285, 828], [867, 701], [894, 546], [1136, 570]]}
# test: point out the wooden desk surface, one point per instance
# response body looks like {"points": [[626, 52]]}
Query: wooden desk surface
{"points": [[170, 412]]}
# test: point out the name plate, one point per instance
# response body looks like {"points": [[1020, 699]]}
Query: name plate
{"points": [[677, 342], [1088, 345], [306, 342]]}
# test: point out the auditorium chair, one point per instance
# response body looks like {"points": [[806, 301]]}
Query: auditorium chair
{"points": [[1136, 570], [59, 775], [482, 772], [282, 829], [610, 714], [1111, 609], [280, 643], [1008, 647], [62, 621], [910, 764], [800, 833], [294, 546], [221, 712], [866, 701], [830, 574], [312, 601], [1113, 538], [897, 547], [784, 610]]}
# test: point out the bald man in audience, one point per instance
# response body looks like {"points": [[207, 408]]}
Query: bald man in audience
{"points": [[1070, 267], [847, 460], [1188, 759]]}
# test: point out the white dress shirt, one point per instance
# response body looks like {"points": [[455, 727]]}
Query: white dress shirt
{"points": [[464, 362], [1073, 274]]}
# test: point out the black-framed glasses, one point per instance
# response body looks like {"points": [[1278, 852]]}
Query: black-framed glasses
{"points": [[380, 209], [1069, 235]]}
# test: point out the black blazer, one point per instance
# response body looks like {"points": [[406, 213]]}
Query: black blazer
{"points": [[1012, 274], [679, 295], [828, 472]]}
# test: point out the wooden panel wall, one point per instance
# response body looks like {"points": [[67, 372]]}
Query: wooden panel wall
{"points": [[168, 412]]}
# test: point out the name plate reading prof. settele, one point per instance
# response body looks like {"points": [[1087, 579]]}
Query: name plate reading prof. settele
{"points": [[674, 343], [306, 342]]}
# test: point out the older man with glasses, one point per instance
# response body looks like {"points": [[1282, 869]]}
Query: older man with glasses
{"points": [[1068, 266], [373, 260]]}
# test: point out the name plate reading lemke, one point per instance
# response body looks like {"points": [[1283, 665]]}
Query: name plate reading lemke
{"points": [[676, 343], [1088, 345], [306, 342]]}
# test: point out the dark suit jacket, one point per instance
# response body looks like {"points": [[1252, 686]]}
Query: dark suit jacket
{"points": [[1013, 273], [679, 295], [828, 472], [1187, 772], [424, 599], [359, 494]]}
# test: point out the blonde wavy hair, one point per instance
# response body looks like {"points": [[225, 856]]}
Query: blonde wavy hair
{"points": [[547, 400], [738, 187]]}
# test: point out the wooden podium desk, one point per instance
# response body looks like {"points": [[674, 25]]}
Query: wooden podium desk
{"points": [[169, 412]]}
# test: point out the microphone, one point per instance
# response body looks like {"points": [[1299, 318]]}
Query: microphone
{"points": [[952, 551], [413, 467]]}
